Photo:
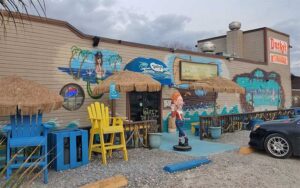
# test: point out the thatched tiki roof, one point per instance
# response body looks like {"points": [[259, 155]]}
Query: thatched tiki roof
{"points": [[217, 84], [27, 96], [127, 81]]}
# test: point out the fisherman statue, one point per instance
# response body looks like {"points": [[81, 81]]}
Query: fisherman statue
{"points": [[177, 113]]}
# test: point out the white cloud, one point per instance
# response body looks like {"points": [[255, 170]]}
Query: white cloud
{"points": [[159, 21]]}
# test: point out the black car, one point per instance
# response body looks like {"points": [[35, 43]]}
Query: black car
{"points": [[280, 138]]}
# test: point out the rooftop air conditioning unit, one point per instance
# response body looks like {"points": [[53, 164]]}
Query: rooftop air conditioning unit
{"points": [[208, 47]]}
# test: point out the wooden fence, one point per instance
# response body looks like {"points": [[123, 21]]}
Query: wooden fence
{"points": [[232, 122]]}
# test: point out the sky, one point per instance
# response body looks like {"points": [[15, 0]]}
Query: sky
{"points": [[160, 22]]}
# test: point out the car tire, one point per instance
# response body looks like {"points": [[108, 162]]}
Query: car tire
{"points": [[278, 146]]}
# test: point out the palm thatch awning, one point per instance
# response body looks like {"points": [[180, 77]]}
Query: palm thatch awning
{"points": [[127, 81], [27, 96], [217, 84]]}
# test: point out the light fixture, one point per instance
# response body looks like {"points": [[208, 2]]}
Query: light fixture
{"points": [[230, 58], [96, 41]]}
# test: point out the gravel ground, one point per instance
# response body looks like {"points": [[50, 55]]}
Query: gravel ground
{"points": [[144, 169]]}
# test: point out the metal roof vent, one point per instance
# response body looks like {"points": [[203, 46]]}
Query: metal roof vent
{"points": [[235, 25], [208, 47]]}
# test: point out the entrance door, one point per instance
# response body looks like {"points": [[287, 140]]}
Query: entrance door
{"points": [[145, 106]]}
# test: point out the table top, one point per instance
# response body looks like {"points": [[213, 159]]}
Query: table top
{"points": [[139, 122]]}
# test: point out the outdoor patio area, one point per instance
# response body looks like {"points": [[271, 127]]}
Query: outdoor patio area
{"points": [[145, 169]]}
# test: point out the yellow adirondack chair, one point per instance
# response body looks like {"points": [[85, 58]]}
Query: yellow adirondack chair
{"points": [[100, 119]]}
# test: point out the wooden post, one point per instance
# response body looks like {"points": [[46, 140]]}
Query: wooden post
{"points": [[113, 107]]}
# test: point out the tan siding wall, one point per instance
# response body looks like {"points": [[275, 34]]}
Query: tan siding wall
{"points": [[254, 46], [36, 53]]}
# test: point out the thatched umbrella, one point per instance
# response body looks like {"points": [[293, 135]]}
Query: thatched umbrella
{"points": [[28, 97], [217, 84], [127, 81]]}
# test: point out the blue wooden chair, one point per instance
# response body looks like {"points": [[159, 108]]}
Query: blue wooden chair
{"points": [[22, 132]]}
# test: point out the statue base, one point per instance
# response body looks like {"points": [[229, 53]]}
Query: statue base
{"points": [[182, 148]]}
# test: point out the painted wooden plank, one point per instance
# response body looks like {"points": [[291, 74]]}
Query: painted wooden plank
{"points": [[112, 182], [26, 126], [84, 150], [73, 149]]}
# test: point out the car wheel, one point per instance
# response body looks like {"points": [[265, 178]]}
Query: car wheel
{"points": [[278, 146]]}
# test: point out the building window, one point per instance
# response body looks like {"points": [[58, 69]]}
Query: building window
{"points": [[296, 101], [73, 95]]}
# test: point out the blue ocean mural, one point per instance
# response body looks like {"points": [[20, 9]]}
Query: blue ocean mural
{"points": [[263, 90], [92, 66], [154, 67]]}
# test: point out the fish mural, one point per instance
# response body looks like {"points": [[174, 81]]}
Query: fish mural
{"points": [[154, 67]]}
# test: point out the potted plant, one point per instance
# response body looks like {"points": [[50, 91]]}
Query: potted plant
{"points": [[216, 129], [154, 137]]}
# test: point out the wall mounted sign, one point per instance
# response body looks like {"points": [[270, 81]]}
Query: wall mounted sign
{"points": [[113, 93], [278, 51], [167, 103], [278, 46], [190, 71], [73, 95], [154, 67]]}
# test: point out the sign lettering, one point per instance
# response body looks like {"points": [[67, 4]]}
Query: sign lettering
{"points": [[279, 59], [278, 46]]}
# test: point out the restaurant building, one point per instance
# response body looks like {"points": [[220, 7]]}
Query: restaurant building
{"points": [[56, 54]]}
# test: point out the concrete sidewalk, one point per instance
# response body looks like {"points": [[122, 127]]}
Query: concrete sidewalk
{"points": [[199, 148]]}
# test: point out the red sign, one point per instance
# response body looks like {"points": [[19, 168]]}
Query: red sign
{"points": [[278, 46], [279, 59]]}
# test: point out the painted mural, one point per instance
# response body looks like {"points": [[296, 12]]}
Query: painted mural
{"points": [[263, 91], [197, 102], [154, 67], [170, 59], [197, 99], [92, 66]]}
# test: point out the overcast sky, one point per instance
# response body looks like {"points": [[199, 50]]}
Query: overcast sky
{"points": [[185, 21]]}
